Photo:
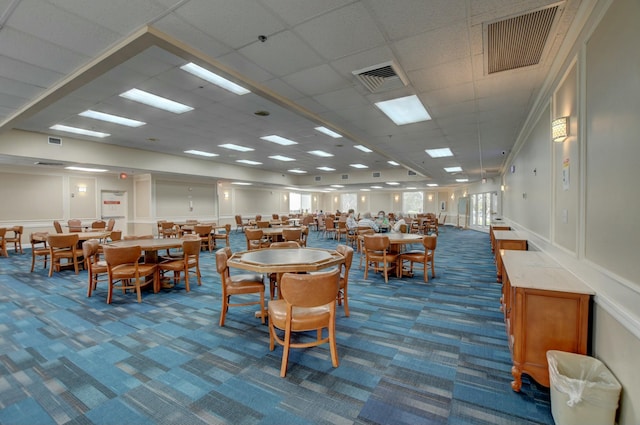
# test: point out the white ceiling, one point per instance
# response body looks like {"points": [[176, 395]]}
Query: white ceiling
{"points": [[59, 58]]}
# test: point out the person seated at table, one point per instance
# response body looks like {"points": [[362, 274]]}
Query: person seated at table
{"points": [[352, 224], [398, 223], [382, 221], [366, 221]]}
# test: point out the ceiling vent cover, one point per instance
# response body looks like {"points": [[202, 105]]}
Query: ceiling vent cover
{"points": [[381, 77], [519, 41]]}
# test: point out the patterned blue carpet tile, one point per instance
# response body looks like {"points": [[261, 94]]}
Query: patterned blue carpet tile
{"points": [[410, 353]]}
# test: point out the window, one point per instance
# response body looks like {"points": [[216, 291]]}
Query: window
{"points": [[348, 201], [412, 202], [299, 202]]}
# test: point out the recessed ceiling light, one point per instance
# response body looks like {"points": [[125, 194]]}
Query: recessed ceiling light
{"points": [[337, 185], [213, 78], [323, 154], [432, 184], [392, 183], [376, 187], [201, 153], [111, 118], [393, 163], [411, 188], [279, 140], [281, 158], [365, 190], [404, 110], [326, 168], [248, 162], [363, 148], [297, 171], [241, 183], [90, 170], [462, 180], [236, 147], [439, 153], [328, 132], [358, 166], [156, 101], [77, 130], [453, 169], [330, 188]]}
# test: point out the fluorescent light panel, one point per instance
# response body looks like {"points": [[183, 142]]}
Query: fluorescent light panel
{"points": [[279, 140], [77, 130], [248, 162], [91, 170], [337, 185], [281, 158], [326, 168], [395, 164], [376, 187], [404, 110], [322, 154], [159, 102], [439, 153], [393, 183], [453, 169], [241, 183], [297, 171], [236, 147], [365, 190], [358, 166], [328, 132], [462, 180], [363, 148], [432, 184], [102, 116], [201, 153], [213, 78]]}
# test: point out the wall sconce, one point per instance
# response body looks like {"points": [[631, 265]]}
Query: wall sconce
{"points": [[560, 129], [453, 196], [82, 189], [396, 198], [430, 197], [363, 198], [502, 188], [285, 197], [464, 195], [335, 199], [226, 195]]}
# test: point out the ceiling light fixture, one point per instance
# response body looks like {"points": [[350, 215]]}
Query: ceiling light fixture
{"points": [[201, 153], [77, 130], [297, 171], [462, 180], [241, 183], [213, 78], [395, 164], [159, 102], [376, 187], [392, 183], [102, 116], [328, 132], [404, 110], [281, 158], [322, 154], [236, 147], [363, 148], [439, 153], [326, 168], [248, 162], [337, 185], [279, 140], [432, 184], [90, 170], [358, 166], [453, 169]]}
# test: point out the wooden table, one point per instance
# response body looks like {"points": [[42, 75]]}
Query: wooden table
{"points": [[283, 260], [150, 246], [506, 240], [396, 242], [547, 308], [100, 235]]}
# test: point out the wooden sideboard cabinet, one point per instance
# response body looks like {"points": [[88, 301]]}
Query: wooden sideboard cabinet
{"points": [[492, 238], [507, 240], [547, 308]]}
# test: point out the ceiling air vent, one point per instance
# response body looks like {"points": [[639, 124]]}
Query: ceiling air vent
{"points": [[318, 178], [345, 177], [411, 173], [519, 41], [55, 141], [376, 174], [50, 164], [381, 77]]}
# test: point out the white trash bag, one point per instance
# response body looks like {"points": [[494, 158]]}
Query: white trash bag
{"points": [[583, 390]]}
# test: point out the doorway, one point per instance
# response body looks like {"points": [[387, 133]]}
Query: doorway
{"points": [[113, 204]]}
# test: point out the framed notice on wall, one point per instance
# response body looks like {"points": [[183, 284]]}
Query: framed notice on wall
{"points": [[443, 205], [565, 174]]}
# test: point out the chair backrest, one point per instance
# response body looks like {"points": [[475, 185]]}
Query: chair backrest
{"points": [[328, 223], [262, 224], [376, 242], [289, 234], [191, 247], [253, 235], [430, 242], [110, 224], [57, 226], [115, 235], [75, 225], [90, 250], [203, 230], [167, 225], [403, 228], [285, 244], [310, 290], [347, 252], [117, 255], [192, 221], [3, 232], [99, 224], [63, 240], [275, 216], [38, 237], [239, 220], [221, 264]]}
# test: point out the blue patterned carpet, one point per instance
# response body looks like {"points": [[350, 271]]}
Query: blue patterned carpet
{"points": [[411, 353]]}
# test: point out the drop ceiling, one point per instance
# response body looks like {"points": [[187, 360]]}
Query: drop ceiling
{"points": [[61, 58]]}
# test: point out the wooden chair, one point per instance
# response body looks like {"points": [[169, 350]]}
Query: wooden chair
{"points": [[75, 225], [237, 284], [57, 226], [255, 239], [329, 227], [273, 277], [63, 246], [110, 224], [180, 267], [292, 234], [343, 291], [3, 242], [126, 272], [204, 233], [38, 238], [241, 224], [262, 224], [168, 229], [16, 239], [222, 236], [99, 224], [376, 250], [361, 232], [308, 303], [423, 257], [115, 235], [94, 265], [342, 230], [304, 237]]}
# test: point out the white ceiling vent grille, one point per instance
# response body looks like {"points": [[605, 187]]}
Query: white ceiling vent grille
{"points": [[381, 77], [375, 174], [318, 178], [345, 177], [519, 41]]}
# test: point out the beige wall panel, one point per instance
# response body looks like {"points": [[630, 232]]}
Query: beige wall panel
{"points": [[40, 197], [83, 205]]}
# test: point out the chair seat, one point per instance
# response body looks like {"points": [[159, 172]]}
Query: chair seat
{"points": [[244, 283], [178, 264], [304, 318], [125, 270], [413, 253]]}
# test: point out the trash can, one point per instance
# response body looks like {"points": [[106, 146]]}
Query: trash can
{"points": [[583, 390]]}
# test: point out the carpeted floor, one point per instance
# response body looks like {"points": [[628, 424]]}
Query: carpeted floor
{"points": [[411, 353]]}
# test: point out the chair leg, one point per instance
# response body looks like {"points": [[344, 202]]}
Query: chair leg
{"points": [[333, 346], [346, 301], [262, 311], [223, 310], [109, 291], [285, 351]]}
